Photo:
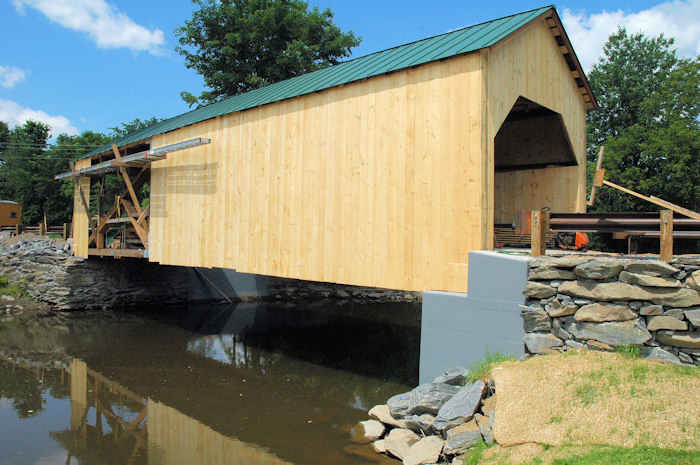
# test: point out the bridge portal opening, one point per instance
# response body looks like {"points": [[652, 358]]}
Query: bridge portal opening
{"points": [[533, 156]]}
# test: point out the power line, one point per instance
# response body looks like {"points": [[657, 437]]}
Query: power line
{"points": [[49, 146]]}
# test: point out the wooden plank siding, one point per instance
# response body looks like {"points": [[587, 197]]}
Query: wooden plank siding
{"points": [[371, 183], [81, 219], [387, 182], [529, 63]]}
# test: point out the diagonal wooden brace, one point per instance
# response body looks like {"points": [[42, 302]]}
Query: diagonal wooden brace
{"points": [[143, 235], [103, 221], [141, 220], [127, 180]]}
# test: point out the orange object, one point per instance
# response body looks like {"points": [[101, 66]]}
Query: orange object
{"points": [[581, 241]]}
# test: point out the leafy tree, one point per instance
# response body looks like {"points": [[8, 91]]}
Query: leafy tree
{"points": [[240, 45], [29, 163], [649, 122], [133, 126]]}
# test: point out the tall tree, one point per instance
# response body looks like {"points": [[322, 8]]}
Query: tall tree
{"points": [[29, 163], [240, 45], [133, 126], [648, 120]]}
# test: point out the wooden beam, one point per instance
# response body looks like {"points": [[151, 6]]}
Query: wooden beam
{"points": [[598, 167], [104, 220], [666, 237], [676, 208], [540, 226], [125, 164], [656, 201], [143, 235], [599, 178], [117, 253], [141, 220], [82, 197], [127, 180]]}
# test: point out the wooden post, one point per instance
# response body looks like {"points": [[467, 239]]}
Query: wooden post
{"points": [[540, 226], [42, 231], [64, 235], [17, 230], [666, 236]]}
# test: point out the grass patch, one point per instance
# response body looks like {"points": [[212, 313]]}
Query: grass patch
{"points": [[482, 368], [570, 454], [629, 351], [6, 288], [474, 455], [631, 456], [586, 393]]}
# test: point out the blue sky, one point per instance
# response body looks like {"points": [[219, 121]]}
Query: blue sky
{"points": [[91, 64]]}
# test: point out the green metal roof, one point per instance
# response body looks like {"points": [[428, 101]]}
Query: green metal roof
{"points": [[457, 42]]}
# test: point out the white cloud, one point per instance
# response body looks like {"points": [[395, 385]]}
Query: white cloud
{"points": [[15, 115], [11, 76], [679, 19], [102, 22]]}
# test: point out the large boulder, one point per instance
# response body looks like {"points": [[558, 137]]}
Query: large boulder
{"points": [[568, 261], [650, 268], [425, 451], [454, 377], [538, 290], [685, 340], [657, 353], [612, 333], [535, 319], [657, 323], [557, 309], [485, 424], [367, 431], [693, 280], [462, 437], [595, 290], [645, 280], [461, 407], [651, 310], [399, 441], [382, 413], [421, 424], [688, 261], [426, 398], [550, 273], [693, 316], [677, 298], [604, 312], [614, 291], [598, 269], [541, 343]]}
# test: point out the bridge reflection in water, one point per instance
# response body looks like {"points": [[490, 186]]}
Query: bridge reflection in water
{"points": [[143, 431], [240, 385]]}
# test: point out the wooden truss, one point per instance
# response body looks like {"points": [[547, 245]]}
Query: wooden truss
{"points": [[136, 217]]}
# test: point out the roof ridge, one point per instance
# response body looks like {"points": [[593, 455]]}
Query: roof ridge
{"points": [[325, 78]]}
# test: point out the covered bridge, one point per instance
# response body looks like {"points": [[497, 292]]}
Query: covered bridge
{"points": [[382, 171]]}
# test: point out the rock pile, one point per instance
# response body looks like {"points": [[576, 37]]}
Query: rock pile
{"points": [[51, 275], [434, 423], [579, 302]]}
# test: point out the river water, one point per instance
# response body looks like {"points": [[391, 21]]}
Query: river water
{"points": [[245, 384]]}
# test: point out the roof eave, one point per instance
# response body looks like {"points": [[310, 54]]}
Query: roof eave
{"points": [[554, 23]]}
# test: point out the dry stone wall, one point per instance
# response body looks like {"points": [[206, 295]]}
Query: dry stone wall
{"points": [[580, 301], [51, 275]]}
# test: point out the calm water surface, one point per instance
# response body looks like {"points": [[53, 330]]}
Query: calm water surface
{"points": [[246, 384]]}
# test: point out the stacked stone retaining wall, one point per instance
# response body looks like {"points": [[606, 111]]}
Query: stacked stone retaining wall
{"points": [[579, 302], [48, 272]]}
